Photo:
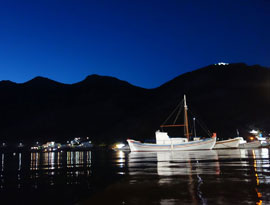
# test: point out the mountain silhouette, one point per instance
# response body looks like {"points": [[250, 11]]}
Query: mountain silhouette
{"points": [[223, 97]]}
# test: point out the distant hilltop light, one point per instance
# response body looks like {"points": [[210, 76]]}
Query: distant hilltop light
{"points": [[222, 63]]}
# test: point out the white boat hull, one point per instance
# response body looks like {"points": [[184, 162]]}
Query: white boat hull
{"points": [[227, 144], [254, 144], [205, 144]]}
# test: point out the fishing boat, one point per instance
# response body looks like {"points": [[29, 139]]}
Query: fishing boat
{"points": [[166, 143], [245, 144], [227, 144]]}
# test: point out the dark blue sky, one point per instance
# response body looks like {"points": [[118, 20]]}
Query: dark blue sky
{"points": [[144, 42]]}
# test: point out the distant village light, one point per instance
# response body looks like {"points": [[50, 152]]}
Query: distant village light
{"points": [[222, 63]]}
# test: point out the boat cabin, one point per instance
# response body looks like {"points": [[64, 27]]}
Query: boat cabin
{"points": [[162, 138]]}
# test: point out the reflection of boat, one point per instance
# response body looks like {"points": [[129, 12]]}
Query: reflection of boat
{"points": [[245, 144], [233, 154], [227, 144], [263, 140], [165, 143], [176, 170], [174, 163], [187, 162]]}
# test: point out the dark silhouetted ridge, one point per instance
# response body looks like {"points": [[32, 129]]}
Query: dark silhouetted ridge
{"points": [[224, 97], [41, 81], [7, 83], [104, 81]]}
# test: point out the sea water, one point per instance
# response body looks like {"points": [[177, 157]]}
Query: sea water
{"points": [[239, 176]]}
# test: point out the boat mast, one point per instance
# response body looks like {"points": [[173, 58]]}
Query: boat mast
{"points": [[186, 118]]}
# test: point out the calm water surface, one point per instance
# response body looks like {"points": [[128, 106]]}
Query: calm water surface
{"points": [[238, 176]]}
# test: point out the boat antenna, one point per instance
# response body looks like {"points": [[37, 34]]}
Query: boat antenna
{"points": [[201, 123], [237, 132], [194, 127]]}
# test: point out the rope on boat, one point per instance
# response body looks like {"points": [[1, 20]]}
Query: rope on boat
{"points": [[178, 113], [180, 107], [202, 125]]}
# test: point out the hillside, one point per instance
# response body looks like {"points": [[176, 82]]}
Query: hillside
{"points": [[224, 97]]}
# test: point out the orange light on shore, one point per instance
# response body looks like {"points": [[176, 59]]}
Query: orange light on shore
{"points": [[251, 138]]}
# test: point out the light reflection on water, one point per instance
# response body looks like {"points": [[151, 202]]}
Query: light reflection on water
{"points": [[59, 160], [29, 176], [2, 162], [200, 171], [185, 177], [42, 164]]}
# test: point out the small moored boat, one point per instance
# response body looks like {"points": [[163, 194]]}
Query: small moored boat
{"points": [[245, 144], [166, 143], [227, 144]]}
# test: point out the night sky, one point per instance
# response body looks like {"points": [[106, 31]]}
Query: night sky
{"points": [[144, 42]]}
